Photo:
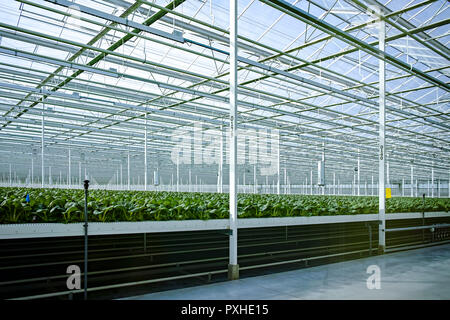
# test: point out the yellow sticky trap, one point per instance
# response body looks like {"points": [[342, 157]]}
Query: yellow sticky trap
{"points": [[388, 193]]}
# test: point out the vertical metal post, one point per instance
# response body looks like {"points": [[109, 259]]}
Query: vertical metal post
{"points": [[220, 172], [86, 186], [178, 172], [278, 165], [50, 181], [128, 171], [359, 175], [121, 175], [69, 178], [372, 186], [145, 155], [311, 181], [438, 188], [432, 181], [42, 149], [403, 187], [382, 149], [323, 168], [255, 187], [354, 184], [190, 180], [79, 172], [417, 187], [222, 150], [233, 267], [285, 180], [10, 174], [412, 181], [334, 183], [423, 217], [388, 178], [32, 169]]}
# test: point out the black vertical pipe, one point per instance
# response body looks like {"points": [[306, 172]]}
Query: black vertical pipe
{"points": [[86, 186]]}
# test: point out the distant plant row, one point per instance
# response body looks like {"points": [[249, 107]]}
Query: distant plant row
{"points": [[25, 205]]}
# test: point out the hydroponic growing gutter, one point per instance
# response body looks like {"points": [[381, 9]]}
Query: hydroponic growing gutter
{"points": [[45, 230]]}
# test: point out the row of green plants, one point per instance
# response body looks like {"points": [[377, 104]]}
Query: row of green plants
{"points": [[26, 205]]}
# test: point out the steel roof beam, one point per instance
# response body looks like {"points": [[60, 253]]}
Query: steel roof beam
{"points": [[346, 37], [117, 44]]}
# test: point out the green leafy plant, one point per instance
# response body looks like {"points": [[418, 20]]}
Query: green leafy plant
{"points": [[67, 206]]}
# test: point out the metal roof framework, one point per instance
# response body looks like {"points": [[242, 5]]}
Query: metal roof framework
{"points": [[94, 80]]}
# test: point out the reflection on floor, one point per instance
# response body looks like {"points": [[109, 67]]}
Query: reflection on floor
{"points": [[416, 274]]}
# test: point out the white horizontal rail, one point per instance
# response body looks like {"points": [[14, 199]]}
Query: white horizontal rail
{"points": [[42, 230]]}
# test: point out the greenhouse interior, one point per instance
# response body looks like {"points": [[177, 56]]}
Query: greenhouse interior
{"points": [[193, 149]]}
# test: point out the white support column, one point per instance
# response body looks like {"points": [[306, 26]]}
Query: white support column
{"points": [[388, 178], [403, 187], [222, 153], [255, 186], [32, 168], [432, 181], [382, 149], [278, 165], [417, 187], [412, 181], [145, 155], [285, 180], [128, 171], [438, 188], [42, 150], [233, 267], [79, 173], [10, 174], [69, 178], [311, 182], [178, 173], [359, 175], [372, 188], [354, 184], [121, 175], [220, 169], [334, 183], [322, 173], [190, 180]]}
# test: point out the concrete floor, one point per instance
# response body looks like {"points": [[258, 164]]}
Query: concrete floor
{"points": [[416, 274]]}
